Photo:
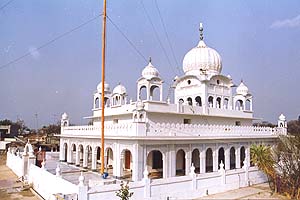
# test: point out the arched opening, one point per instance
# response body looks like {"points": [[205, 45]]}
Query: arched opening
{"points": [[196, 160], [80, 155], [109, 158], [98, 154], [143, 93], [65, 150], [221, 157], [97, 103], [198, 101], [73, 153], [154, 93], [248, 104], [242, 156], [218, 102], [209, 160], [89, 155], [226, 103], [106, 101], [155, 164], [210, 101], [180, 163], [126, 160], [232, 158], [181, 101], [190, 101], [239, 105]]}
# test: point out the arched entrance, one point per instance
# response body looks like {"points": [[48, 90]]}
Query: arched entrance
{"points": [[65, 150], [155, 164], [209, 160], [73, 153], [180, 163], [126, 164], [196, 160], [232, 158], [221, 157], [242, 156]]}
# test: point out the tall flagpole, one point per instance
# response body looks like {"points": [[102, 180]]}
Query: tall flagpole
{"points": [[103, 81]]}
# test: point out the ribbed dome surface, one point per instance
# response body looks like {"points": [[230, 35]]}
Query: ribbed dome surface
{"points": [[150, 72], [242, 89], [202, 58], [119, 89]]}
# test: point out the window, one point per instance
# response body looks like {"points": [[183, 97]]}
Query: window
{"points": [[189, 82], [115, 121], [218, 82], [238, 123], [187, 121]]}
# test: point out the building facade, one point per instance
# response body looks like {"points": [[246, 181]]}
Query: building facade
{"points": [[208, 125]]}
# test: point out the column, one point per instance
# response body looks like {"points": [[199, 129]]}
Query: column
{"points": [[94, 160], [165, 165], [69, 156], [85, 157], [188, 162], [237, 158], [61, 152], [247, 152], [202, 161], [172, 166], [77, 157], [227, 158], [215, 160]]}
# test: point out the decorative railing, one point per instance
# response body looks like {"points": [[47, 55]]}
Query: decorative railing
{"points": [[172, 129]]}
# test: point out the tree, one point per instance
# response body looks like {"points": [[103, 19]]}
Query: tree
{"points": [[124, 193], [261, 156], [293, 127], [288, 167]]}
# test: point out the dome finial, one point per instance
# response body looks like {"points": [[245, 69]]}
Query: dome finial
{"points": [[150, 59], [201, 31]]}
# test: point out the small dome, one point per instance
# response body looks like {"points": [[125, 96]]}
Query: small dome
{"points": [[242, 89], [106, 87], [150, 72], [282, 117], [64, 116], [119, 89]]}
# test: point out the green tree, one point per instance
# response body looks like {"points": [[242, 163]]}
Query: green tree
{"points": [[293, 127], [262, 157], [124, 193]]}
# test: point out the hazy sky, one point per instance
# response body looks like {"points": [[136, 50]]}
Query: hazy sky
{"points": [[259, 42]]}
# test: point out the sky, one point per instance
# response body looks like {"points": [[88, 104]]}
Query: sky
{"points": [[258, 41]]}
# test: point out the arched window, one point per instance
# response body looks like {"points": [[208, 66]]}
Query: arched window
{"points": [[143, 93], [154, 93], [232, 158], [242, 156], [196, 160], [239, 105], [198, 101], [226, 103], [155, 164], [221, 157], [181, 101], [208, 160], [248, 104], [97, 103], [180, 163], [210, 101], [218, 102], [190, 101]]}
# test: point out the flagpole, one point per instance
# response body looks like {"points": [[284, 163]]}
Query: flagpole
{"points": [[103, 81]]}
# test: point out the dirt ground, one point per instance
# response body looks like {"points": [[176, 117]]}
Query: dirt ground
{"points": [[10, 187]]}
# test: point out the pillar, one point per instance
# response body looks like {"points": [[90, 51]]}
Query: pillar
{"points": [[247, 154], [237, 158], [165, 165], [172, 166], [85, 158], [77, 157], [215, 160], [69, 156], [202, 161], [188, 162], [227, 158], [94, 159]]}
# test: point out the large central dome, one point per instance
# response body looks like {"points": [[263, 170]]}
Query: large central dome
{"points": [[202, 58]]}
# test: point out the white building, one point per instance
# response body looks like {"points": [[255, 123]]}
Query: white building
{"points": [[209, 123]]}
